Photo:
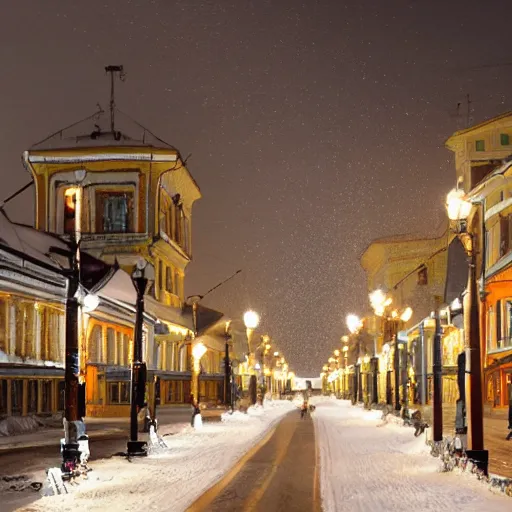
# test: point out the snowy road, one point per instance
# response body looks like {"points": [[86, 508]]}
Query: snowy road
{"points": [[368, 468], [280, 474], [174, 479]]}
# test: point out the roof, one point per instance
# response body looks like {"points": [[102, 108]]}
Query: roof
{"points": [[477, 126], [396, 239], [95, 131], [30, 242], [206, 317]]}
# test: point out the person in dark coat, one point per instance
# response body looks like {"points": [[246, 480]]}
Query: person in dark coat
{"points": [[304, 409]]}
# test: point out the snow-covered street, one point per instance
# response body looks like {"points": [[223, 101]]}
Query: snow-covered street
{"points": [[364, 467], [172, 480]]}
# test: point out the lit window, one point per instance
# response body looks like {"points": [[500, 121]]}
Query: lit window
{"points": [[69, 211], [480, 145], [504, 139]]}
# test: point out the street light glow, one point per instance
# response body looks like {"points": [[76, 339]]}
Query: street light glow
{"points": [[354, 323], [379, 301], [457, 207], [337, 353], [251, 319], [406, 315], [198, 351]]}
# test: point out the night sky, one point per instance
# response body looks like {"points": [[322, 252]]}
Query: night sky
{"points": [[314, 127]]}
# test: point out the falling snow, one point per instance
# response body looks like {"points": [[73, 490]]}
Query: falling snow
{"points": [[313, 126]]}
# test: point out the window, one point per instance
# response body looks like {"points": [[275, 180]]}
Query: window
{"points": [[118, 393], [16, 397], [3, 397], [61, 394], [69, 211], [174, 391], [46, 396], [4, 345], [423, 277], [506, 341], [177, 283], [504, 139], [33, 395], [168, 280], [95, 346], [504, 236], [114, 212], [490, 330], [111, 346], [498, 323], [480, 145]]}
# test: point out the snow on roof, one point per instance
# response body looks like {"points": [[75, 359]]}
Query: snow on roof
{"points": [[119, 288], [95, 131], [30, 241]]}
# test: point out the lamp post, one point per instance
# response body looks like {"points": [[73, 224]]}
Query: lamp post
{"points": [[227, 366], [355, 324], [198, 351], [251, 321], [138, 373], [345, 365], [458, 209], [75, 446]]}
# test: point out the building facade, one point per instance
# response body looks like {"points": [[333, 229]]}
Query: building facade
{"points": [[483, 170], [127, 199]]}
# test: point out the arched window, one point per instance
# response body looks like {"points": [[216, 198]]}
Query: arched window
{"points": [[95, 345]]}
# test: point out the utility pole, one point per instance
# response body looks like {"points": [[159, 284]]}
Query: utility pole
{"points": [[113, 70]]}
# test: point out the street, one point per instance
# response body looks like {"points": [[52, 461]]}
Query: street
{"points": [[343, 458], [280, 474], [107, 438]]}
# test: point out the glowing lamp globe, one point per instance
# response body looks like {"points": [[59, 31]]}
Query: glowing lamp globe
{"points": [[406, 315], [251, 320], [354, 323], [457, 207], [198, 351]]}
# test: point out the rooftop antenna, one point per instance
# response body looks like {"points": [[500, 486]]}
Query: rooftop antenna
{"points": [[113, 70]]}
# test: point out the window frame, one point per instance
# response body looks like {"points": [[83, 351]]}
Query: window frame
{"points": [[99, 202], [480, 145]]}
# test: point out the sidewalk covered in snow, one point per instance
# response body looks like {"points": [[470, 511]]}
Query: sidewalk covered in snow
{"points": [[173, 478], [366, 465]]}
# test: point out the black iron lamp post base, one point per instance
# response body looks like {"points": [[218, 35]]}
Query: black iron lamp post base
{"points": [[137, 449], [480, 459]]}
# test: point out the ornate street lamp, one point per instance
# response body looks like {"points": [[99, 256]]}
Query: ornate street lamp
{"points": [[138, 374], [458, 209]]}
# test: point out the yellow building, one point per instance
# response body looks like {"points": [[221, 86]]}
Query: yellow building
{"points": [[129, 198], [412, 272], [480, 149], [484, 171]]}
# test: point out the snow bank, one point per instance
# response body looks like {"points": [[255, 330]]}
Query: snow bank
{"points": [[171, 479], [365, 469]]}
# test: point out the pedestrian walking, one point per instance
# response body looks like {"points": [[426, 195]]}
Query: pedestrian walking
{"points": [[304, 409]]}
